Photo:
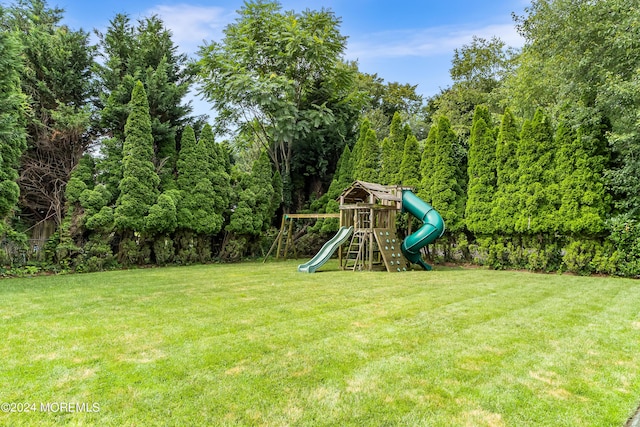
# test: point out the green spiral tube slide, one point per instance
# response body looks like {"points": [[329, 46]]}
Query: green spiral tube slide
{"points": [[432, 227]]}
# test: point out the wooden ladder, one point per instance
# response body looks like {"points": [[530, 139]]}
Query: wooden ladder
{"points": [[356, 251]]}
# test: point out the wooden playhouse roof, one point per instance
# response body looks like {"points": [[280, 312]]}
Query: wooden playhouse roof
{"points": [[361, 192]]}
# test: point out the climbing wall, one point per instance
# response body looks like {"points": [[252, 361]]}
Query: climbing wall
{"points": [[389, 247]]}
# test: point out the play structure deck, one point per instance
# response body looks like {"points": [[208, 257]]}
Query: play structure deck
{"points": [[368, 221]]}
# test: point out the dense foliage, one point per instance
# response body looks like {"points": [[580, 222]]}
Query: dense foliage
{"points": [[12, 132], [531, 156]]}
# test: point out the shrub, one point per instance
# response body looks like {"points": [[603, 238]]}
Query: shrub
{"points": [[164, 250], [625, 238], [579, 256]]}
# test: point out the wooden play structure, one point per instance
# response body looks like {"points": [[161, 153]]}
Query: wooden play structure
{"points": [[371, 210], [368, 223]]}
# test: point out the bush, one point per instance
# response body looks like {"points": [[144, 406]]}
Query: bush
{"points": [[545, 257], [134, 251], [625, 238], [164, 250], [187, 249], [497, 255], [234, 248], [579, 256]]}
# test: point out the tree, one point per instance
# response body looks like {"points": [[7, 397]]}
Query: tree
{"points": [[388, 98], [343, 177], [581, 161], [482, 174], [505, 206], [200, 209], [12, 132], [217, 160], [203, 185], [410, 167], [447, 195], [537, 185], [391, 152], [478, 71], [254, 208], [367, 164], [580, 63], [482, 64], [147, 53], [427, 165], [57, 78], [139, 185], [266, 75]]}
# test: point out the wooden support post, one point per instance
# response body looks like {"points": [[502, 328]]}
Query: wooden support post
{"points": [[289, 239], [284, 220]]}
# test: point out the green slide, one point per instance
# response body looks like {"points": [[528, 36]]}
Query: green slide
{"points": [[327, 250], [432, 227]]}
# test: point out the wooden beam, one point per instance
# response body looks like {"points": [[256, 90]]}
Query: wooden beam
{"points": [[316, 216]]}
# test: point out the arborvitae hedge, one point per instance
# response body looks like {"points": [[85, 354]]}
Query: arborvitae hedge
{"points": [[581, 162]]}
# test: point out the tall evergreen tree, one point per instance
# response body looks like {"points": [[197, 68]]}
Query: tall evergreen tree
{"points": [[391, 151], [57, 78], [190, 171], [447, 196], [410, 167], [356, 153], [12, 132], [147, 53], [367, 166], [218, 175], [537, 184], [343, 176], [427, 165], [139, 185], [253, 212], [482, 174], [505, 200], [581, 162]]}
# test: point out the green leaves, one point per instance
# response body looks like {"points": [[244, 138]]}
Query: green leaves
{"points": [[139, 185], [482, 174], [12, 135], [282, 71]]}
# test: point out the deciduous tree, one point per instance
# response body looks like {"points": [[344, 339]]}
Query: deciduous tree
{"points": [[268, 72]]}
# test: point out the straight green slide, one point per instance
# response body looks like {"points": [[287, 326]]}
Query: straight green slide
{"points": [[327, 251]]}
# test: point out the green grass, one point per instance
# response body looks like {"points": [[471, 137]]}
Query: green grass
{"points": [[260, 344]]}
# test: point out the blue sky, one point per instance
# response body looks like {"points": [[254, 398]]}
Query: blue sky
{"points": [[406, 41]]}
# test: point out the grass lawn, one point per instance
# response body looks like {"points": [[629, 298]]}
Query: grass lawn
{"points": [[261, 344]]}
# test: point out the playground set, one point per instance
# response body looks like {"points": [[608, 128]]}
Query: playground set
{"points": [[368, 222]]}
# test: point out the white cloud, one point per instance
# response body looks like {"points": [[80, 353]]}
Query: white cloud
{"points": [[425, 42], [193, 26]]}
